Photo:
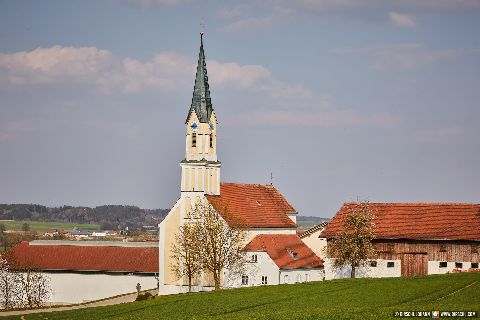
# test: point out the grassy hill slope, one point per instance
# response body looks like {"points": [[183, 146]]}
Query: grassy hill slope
{"points": [[337, 299]]}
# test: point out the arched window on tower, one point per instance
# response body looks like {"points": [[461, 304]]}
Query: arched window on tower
{"points": [[211, 140], [194, 139]]}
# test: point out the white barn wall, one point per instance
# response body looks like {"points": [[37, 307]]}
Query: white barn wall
{"points": [[83, 287], [434, 267], [380, 271]]}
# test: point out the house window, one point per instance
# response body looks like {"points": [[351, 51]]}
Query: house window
{"points": [[285, 278], [299, 278], [264, 280], [458, 265], [194, 139], [442, 264], [307, 277], [474, 248], [211, 140], [254, 258], [443, 248], [244, 280], [474, 265], [373, 263], [390, 264]]}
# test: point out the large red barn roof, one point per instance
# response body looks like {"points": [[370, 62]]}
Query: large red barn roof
{"points": [[84, 258], [421, 221]]}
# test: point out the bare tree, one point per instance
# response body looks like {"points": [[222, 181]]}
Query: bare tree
{"points": [[353, 246], [221, 244], [186, 253]]}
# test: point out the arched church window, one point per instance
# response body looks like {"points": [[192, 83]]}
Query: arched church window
{"points": [[194, 139]]}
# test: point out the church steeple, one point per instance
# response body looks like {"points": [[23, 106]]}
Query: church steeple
{"points": [[201, 100], [200, 168]]}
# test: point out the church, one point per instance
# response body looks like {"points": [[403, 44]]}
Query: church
{"points": [[275, 253]]}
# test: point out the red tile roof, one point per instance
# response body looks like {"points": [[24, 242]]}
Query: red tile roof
{"points": [[282, 247], [84, 258], [252, 206], [426, 221]]}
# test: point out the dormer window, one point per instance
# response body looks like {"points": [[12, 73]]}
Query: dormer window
{"points": [[293, 254], [194, 140]]}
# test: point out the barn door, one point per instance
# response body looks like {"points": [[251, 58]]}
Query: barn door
{"points": [[414, 264]]}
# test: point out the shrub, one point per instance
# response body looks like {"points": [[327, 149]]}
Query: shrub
{"points": [[144, 296]]}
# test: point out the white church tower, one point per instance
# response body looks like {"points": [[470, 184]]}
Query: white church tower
{"points": [[201, 168]]}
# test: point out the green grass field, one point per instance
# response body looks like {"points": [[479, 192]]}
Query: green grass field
{"points": [[45, 226], [337, 299]]}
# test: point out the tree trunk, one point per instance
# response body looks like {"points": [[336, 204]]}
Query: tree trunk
{"points": [[352, 274], [190, 283], [216, 279]]}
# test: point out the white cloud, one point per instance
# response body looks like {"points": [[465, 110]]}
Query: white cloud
{"points": [[93, 66], [401, 20], [48, 65], [166, 72], [171, 72]]}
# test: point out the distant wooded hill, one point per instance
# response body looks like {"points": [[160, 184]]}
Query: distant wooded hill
{"points": [[109, 217], [307, 222]]}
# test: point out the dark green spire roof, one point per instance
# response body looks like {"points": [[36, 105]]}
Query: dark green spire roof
{"points": [[201, 101]]}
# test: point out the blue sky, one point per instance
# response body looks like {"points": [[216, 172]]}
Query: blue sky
{"points": [[341, 100]]}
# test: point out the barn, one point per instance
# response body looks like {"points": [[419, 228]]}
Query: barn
{"points": [[415, 239], [82, 271]]}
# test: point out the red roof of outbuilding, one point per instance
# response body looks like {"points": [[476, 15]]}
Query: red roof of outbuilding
{"points": [[84, 258], [287, 251], [252, 206], [426, 221]]}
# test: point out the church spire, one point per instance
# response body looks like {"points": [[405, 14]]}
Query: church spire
{"points": [[201, 100]]}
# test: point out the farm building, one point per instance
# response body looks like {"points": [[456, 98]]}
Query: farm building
{"points": [[416, 239], [82, 271], [266, 216], [311, 238]]}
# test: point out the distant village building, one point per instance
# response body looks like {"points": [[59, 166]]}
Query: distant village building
{"points": [[416, 239], [82, 271], [266, 216]]}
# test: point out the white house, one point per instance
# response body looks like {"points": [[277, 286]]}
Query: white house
{"points": [[260, 209], [82, 271]]}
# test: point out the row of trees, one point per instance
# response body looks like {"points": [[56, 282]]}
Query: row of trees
{"points": [[22, 288], [108, 216], [206, 245]]}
